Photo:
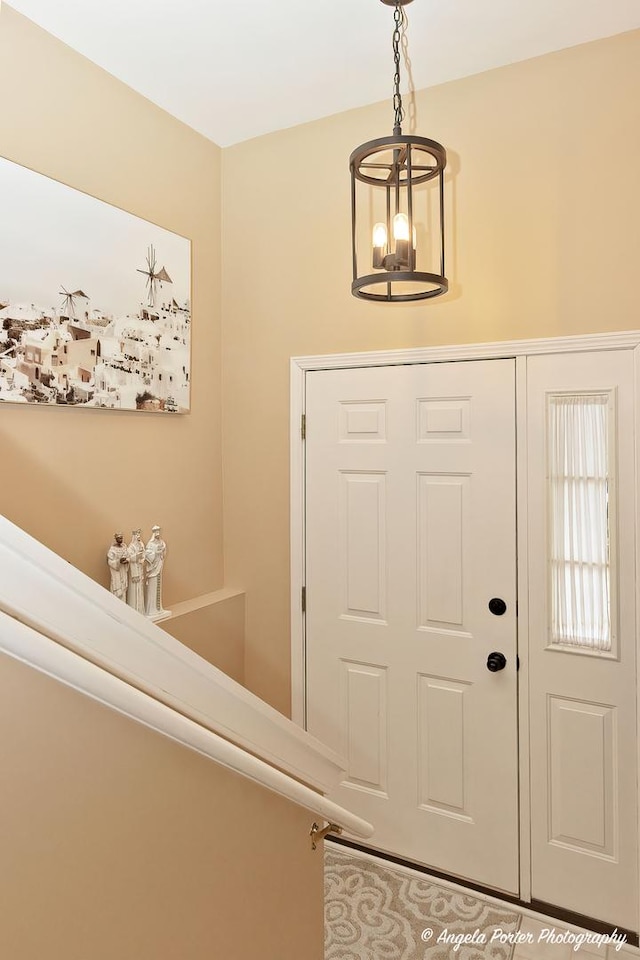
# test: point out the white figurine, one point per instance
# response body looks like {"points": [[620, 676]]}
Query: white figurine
{"points": [[118, 564], [155, 552], [136, 555]]}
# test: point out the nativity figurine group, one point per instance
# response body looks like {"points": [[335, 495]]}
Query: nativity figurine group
{"points": [[136, 572]]}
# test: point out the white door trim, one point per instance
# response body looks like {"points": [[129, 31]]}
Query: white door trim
{"points": [[522, 560], [518, 349]]}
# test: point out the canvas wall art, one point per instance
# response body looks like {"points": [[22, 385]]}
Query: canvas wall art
{"points": [[95, 303]]}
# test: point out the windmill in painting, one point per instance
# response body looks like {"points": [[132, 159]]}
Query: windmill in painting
{"points": [[154, 280], [114, 342], [70, 301]]}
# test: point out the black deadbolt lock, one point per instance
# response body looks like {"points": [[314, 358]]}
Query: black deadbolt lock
{"points": [[497, 606], [496, 661]]}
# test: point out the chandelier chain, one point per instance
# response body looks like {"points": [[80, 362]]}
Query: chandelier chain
{"points": [[399, 24]]}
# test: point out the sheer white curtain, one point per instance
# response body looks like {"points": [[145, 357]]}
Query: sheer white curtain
{"points": [[579, 492]]}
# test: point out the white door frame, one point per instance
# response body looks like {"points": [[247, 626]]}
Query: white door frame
{"points": [[518, 350]]}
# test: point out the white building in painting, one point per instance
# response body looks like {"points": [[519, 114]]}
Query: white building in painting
{"points": [[24, 313], [143, 360], [55, 361], [13, 385]]}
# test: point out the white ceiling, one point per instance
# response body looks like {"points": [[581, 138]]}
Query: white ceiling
{"points": [[241, 68]]}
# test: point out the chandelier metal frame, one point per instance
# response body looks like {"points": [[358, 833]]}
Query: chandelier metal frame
{"points": [[397, 165]]}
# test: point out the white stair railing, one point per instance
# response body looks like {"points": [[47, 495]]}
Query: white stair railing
{"points": [[58, 621]]}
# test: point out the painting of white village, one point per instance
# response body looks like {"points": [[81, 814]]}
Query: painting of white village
{"points": [[94, 302]]}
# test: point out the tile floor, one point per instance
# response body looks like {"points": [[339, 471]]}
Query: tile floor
{"points": [[535, 942]]}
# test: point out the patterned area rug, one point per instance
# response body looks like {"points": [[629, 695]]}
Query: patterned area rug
{"points": [[375, 912]]}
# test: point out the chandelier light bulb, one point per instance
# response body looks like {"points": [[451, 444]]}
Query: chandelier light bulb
{"points": [[400, 227], [380, 235], [401, 237], [379, 245]]}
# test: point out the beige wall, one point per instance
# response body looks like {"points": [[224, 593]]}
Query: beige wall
{"points": [[70, 477], [214, 629], [543, 204], [119, 843]]}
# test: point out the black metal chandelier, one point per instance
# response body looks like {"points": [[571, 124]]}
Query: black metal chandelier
{"points": [[398, 182]]}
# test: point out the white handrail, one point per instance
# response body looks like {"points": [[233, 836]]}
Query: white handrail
{"points": [[46, 593], [26, 645]]}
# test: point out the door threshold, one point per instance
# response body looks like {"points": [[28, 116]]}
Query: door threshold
{"points": [[550, 910]]}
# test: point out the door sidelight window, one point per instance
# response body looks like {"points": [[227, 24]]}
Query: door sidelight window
{"points": [[581, 507]]}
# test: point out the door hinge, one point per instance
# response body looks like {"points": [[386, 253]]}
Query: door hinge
{"points": [[304, 599], [303, 427], [517, 662]]}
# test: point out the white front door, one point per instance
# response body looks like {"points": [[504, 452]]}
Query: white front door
{"points": [[410, 524], [582, 633]]}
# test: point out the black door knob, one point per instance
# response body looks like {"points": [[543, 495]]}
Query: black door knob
{"points": [[497, 606], [496, 661]]}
